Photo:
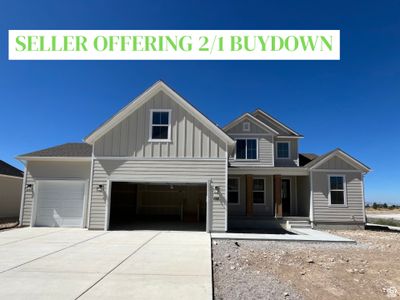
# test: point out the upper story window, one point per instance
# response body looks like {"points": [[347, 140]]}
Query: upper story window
{"points": [[282, 150], [246, 126], [160, 125], [337, 190], [233, 190], [246, 149]]}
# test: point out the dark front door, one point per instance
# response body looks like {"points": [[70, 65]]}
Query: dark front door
{"points": [[286, 197]]}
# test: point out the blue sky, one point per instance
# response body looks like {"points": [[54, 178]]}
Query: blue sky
{"points": [[352, 103]]}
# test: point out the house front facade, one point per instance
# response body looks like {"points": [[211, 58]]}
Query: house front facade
{"points": [[159, 161]]}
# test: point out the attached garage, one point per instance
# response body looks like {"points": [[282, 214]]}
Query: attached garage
{"points": [[158, 206], [60, 203]]}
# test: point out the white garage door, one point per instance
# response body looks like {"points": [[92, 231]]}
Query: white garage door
{"points": [[60, 203]]}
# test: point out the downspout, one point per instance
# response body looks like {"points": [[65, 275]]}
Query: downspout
{"points": [[311, 214], [21, 209], [89, 204]]}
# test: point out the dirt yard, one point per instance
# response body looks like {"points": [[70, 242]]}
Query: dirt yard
{"points": [[369, 269]]}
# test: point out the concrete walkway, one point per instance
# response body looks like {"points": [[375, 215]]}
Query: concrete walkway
{"points": [[49, 263], [302, 235]]}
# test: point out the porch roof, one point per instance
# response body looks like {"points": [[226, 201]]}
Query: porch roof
{"points": [[286, 171]]}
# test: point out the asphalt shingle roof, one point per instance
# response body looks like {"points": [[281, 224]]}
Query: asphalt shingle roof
{"points": [[7, 169], [64, 150], [305, 158]]}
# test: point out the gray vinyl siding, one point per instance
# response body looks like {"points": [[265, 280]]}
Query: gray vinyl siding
{"points": [[266, 209], [292, 161], [336, 163], [254, 128], [37, 170], [331, 214], [183, 170], [265, 152], [189, 137]]}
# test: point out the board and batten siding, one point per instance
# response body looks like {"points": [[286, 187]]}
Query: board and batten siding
{"points": [[353, 212], [158, 170], [37, 170], [189, 137]]}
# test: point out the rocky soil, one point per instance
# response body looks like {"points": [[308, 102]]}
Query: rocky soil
{"points": [[369, 269], [7, 223]]}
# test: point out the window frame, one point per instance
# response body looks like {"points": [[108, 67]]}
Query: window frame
{"points": [[344, 190], [264, 191], [169, 111], [247, 159], [238, 190], [277, 152]]}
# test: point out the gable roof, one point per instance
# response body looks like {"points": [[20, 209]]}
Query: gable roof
{"points": [[251, 118], [305, 158], [276, 122], [65, 150], [9, 170], [341, 154], [143, 98]]}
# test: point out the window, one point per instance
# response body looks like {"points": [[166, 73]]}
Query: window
{"points": [[160, 125], [246, 149], [233, 190], [258, 190], [337, 190], [246, 126], [282, 149]]}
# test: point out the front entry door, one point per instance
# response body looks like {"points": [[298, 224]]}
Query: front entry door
{"points": [[286, 197]]}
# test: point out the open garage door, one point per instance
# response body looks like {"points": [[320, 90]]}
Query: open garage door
{"points": [[60, 203], [156, 206]]}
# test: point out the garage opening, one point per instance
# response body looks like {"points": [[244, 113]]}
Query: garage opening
{"points": [[155, 206]]}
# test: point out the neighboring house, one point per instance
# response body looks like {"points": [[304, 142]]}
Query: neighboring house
{"points": [[10, 190], [159, 159]]}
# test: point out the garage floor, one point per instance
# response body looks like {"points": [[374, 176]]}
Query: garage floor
{"points": [[54, 263]]}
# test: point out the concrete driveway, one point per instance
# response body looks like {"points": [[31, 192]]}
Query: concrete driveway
{"points": [[53, 263]]}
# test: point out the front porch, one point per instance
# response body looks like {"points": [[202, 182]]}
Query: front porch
{"points": [[268, 201]]}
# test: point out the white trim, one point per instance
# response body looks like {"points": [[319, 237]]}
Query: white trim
{"points": [[344, 190], [276, 121], [247, 159], [260, 170], [89, 204], [21, 209], [337, 170], [238, 190], [246, 127], [53, 158], [289, 137], [363, 198], [124, 158], [277, 152], [108, 205], [167, 140], [11, 176], [311, 213], [209, 203], [146, 96], [265, 190], [252, 119], [226, 186]]}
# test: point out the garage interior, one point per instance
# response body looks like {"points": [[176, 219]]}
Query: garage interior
{"points": [[156, 206]]}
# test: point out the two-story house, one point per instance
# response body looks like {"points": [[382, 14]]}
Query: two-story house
{"points": [[159, 162]]}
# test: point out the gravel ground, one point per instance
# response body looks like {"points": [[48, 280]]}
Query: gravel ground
{"points": [[369, 269]]}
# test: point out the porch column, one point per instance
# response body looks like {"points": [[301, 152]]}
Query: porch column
{"points": [[249, 195], [278, 195]]}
